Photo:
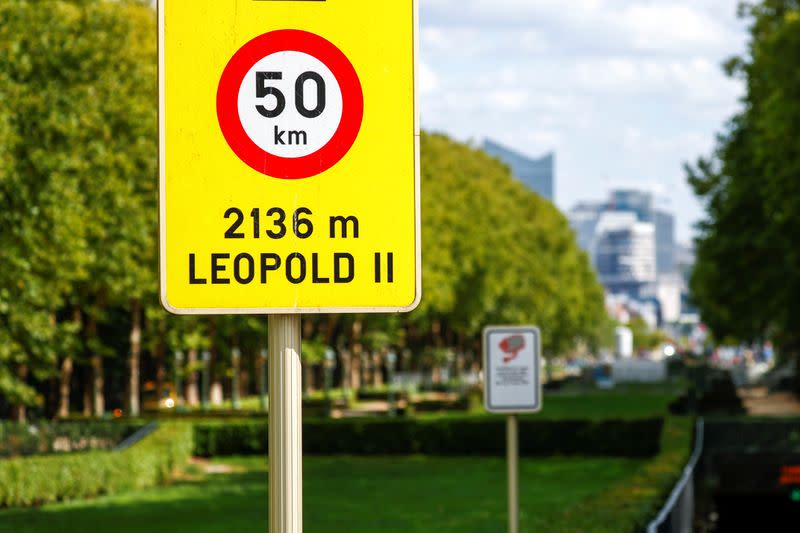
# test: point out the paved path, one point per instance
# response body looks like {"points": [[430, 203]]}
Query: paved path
{"points": [[760, 402]]}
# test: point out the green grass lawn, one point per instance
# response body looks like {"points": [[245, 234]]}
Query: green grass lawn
{"points": [[348, 494], [624, 402], [621, 403]]}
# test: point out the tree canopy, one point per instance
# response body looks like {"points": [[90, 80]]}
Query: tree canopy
{"points": [[747, 276], [78, 229]]}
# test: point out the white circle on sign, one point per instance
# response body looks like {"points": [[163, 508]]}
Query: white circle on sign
{"points": [[290, 104]]}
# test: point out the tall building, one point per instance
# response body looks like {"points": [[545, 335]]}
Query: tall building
{"points": [[625, 253], [584, 218], [537, 174], [632, 245], [665, 243], [633, 201]]}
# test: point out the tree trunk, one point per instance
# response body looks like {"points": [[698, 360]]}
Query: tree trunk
{"points": [[355, 372], [67, 369], [356, 355], [159, 351], [438, 342], [215, 390], [135, 357], [347, 378], [64, 387], [19, 412], [87, 390], [377, 369], [98, 386], [192, 394], [98, 373]]}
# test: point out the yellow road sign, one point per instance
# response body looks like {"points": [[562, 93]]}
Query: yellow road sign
{"points": [[289, 156]]}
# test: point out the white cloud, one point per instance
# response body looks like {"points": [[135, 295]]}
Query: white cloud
{"points": [[428, 80], [508, 99], [620, 89]]}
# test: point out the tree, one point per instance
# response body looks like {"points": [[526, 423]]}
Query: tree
{"points": [[77, 119], [748, 265]]}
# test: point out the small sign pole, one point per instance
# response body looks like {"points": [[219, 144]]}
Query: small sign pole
{"points": [[285, 425], [512, 452], [512, 385]]}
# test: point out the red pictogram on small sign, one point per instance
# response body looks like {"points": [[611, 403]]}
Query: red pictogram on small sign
{"points": [[290, 104], [512, 346]]}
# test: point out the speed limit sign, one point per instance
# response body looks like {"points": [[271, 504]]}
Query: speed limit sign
{"points": [[304, 89], [289, 156]]}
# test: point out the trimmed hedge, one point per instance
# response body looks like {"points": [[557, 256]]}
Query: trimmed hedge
{"points": [[380, 394], [451, 436], [432, 405], [31, 481], [54, 437]]}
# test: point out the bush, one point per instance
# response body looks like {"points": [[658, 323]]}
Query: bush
{"points": [[38, 480], [431, 405], [380, 394], [46, 437], [712, 392], [483, 435]]}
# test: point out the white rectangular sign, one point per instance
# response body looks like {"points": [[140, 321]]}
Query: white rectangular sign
{"points": [[511, 366]]}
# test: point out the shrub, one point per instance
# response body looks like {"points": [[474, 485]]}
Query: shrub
{"points": [[380, 394], [51, 437], [484, 435], [38, 480], [429, 405]]}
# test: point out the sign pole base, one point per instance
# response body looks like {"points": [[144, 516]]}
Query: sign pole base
{"points": [[285, 426], [512, 452]]}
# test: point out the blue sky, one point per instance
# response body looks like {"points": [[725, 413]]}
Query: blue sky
{"points": [[624, 91]]}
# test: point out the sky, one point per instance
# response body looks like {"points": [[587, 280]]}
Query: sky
{"points": [[623, 91]]}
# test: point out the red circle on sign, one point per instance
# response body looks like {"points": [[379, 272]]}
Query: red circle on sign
{"points": [[231, 124]]}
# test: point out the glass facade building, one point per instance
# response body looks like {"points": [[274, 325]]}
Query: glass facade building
{"points": [[537, 174]]}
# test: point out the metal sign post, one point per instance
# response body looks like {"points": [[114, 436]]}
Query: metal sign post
{"points": [[512, 385], [285, 425], [512, 459]]}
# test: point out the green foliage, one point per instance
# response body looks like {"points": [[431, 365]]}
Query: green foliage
{"points": [[446, 436], [643, 337], [46, 438], [78, 171], [495, 252], [748, 263], [78, 191], [39, 480], [353, 494]]}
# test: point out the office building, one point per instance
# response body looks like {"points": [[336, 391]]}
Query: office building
{"points": [[625, 253], [537, 174]]}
